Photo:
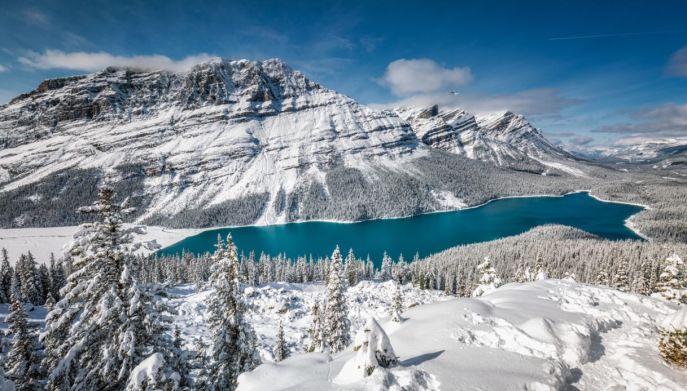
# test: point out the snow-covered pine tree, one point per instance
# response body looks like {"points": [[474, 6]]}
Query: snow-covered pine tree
{"points": [[57, 277], [488, 280], [397, 304], [280, 349], [373, 349], [336, 321], [315, 330], [351, 268], [640, 280], [88, 336], [671, 284], [541, 270], [180, 364], [15, 286], [673, 342], [233, 339], [44, 282], [386, 270], [22, 364], [602, 278], [6, 272], [28, 276], [200, 382], [461, 287], [621, 279], [522, 273]]}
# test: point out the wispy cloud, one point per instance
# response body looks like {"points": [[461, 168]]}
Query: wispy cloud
{"points": [[533, 102], [3, 68], [668, 120], [614, 35], [678, 63], [423, 75], [93, 61], [36, 17]]}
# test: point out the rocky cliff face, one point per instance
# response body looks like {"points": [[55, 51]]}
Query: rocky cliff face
{"points": [[506, 140], [255, 137]]}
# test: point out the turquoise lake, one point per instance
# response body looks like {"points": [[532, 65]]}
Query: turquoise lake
{"points": [[424, 234]]}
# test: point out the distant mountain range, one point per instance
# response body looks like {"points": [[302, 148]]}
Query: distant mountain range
{"points": [[243, 142], [672, 150]]}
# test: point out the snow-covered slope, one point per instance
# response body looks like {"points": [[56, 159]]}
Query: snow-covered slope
{"points": [[506, 140], [224, 130], [545, 335]]}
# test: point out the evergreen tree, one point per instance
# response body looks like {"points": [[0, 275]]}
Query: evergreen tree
{"points": [[15, 286], [44, 282], [90, 337], [488, 280], [397, 304], [180, 365], [351, 268], [671, 283], [280, 350], [28, 275], [602, 278], [673, 342], [336, 314], [387, 264], [541, 270], [22, 365], [200, 382], [6, 273], [621, 279], [315, 330], [57, 277], [233, 348]]}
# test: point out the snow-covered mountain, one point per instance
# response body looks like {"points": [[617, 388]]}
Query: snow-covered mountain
{"points": [[506, 139], [640, 151], [241, 142]]}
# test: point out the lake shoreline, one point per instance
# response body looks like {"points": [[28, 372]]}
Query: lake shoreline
{"points": [[200, 230], [572, 213]]}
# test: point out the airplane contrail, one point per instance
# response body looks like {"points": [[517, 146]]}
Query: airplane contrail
{"points": [[611, 35]]}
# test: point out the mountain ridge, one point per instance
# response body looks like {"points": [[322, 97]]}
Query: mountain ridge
{"points": [[258, 139]]}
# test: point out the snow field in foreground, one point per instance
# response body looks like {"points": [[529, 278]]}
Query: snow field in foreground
{"points": [[544, 335]]}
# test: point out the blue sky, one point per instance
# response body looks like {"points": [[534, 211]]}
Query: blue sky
{"points": [[585, 72]]}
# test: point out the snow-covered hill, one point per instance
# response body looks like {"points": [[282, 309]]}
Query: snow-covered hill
{"points": [[544, 335], [505, 139], [245, 142]]}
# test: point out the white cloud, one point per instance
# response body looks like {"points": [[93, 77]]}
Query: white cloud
{"points": [[678, 63], [423, 75], [669, 120], [534, 102], [94, 61], [3, 68]]}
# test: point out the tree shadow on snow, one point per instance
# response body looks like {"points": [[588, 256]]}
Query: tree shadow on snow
{"points": [[417, 360]]}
